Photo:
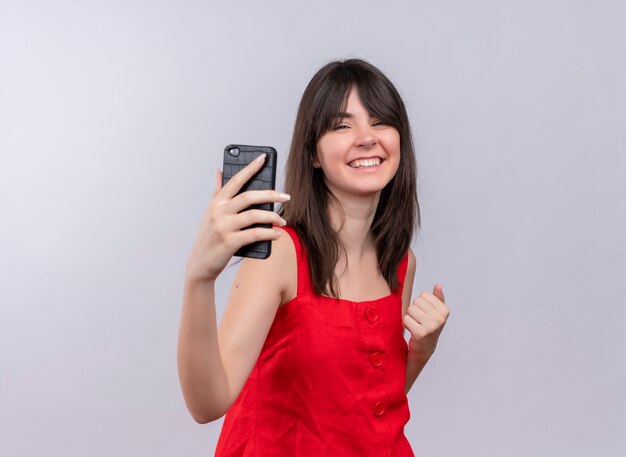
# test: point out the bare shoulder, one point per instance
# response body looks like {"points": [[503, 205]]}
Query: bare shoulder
{"points": [[408, 281], [410, 270], [275, 276], [285, 266]]}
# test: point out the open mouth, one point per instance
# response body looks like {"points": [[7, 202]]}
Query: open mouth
{"points": [[365, 163]]}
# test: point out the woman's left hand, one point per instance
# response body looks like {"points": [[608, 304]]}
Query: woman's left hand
{"points": [[425, 319]]}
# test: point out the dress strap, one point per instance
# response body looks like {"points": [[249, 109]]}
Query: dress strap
{"points": [[304, 278], [402, 272]]}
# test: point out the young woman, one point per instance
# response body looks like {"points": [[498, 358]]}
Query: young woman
{"points": [[310, 357]]}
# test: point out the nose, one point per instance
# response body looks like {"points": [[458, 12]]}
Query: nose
{"points": [[366, 137]]}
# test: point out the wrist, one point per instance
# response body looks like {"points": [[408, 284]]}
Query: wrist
{"points": [[418, 356], [193, 279], [198, 272]]}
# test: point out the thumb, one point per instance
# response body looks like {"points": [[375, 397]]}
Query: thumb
{"points": [[438, 292], [218, 181]]}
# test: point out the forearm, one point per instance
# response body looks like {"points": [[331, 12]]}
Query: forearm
{"points": [[414, 366], [200, 369]]}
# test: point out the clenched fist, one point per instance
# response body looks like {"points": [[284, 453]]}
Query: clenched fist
{"points": [[425, 319]]}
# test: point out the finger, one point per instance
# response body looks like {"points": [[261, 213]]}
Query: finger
{"points": [[255, 197], [418, 314], [218, 181], [435, 302], [411, 325], [438, 292], [253, 216], [235, 183], [414, 327], [426, 303], [428, 319], [252, 235]]}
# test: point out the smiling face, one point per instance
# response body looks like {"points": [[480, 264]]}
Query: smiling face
{"points": [[360, 154]]}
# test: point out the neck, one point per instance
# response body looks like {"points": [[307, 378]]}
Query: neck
{"points": [[352, 220]]}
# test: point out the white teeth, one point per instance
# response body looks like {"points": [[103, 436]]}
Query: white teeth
{"points": [[365, 163]]}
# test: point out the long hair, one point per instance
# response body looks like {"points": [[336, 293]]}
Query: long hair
{"points": [[397, 216]]}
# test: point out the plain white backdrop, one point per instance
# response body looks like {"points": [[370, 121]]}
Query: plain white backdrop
{"points": [[113, 118]]}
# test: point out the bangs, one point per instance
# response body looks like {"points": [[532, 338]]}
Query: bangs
{"points": [[381, 102], [332, 99], [376, 92]]}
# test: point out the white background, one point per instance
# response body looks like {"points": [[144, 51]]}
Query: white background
{"points": [[113, 117]]}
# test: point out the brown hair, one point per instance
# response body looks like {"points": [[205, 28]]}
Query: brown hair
{"points": [[397, 216]]}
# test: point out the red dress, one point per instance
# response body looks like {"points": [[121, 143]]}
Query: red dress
{"points": [[329, 380]]}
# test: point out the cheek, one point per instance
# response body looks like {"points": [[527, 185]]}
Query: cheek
{"points": [[328, 151], [391, 143], [394, 140], [392, 146]]}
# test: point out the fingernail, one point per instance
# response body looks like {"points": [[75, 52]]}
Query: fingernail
{"points": [[261, 158], [279, 233], [285, 196], [283, 222]]}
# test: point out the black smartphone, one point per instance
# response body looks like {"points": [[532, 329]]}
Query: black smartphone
{"points": [[236, 157]]}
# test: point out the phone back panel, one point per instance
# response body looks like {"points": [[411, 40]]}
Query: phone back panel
{"points": [[264, 179]]}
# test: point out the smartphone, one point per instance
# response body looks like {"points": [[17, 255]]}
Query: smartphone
{"points": [[236, 157]]}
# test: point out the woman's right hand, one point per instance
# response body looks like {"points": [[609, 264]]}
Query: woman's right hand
{"points": [[221, 234]]}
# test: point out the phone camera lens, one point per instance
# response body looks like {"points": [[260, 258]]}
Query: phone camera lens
{"points": [[234, 152]]}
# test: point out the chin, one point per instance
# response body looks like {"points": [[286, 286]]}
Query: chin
{"points": [[366, 190]]}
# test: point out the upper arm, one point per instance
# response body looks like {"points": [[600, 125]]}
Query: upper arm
{"points": [[257, 292], [408, 282]]}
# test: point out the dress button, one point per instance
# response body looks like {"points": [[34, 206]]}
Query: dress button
{"points": [[376, 359], [379, 408], [371, 314]]}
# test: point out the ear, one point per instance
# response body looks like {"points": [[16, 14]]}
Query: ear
{"points": [[316, 163]]}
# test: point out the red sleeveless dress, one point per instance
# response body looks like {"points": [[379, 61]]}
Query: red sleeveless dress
{"points": [[329, 380]]}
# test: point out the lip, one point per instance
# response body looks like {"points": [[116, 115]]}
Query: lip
{"points": [[366, 158]]}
